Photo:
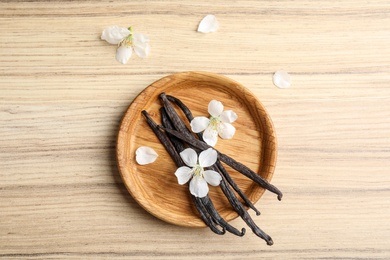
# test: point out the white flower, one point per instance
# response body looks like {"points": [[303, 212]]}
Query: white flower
{"points": [[219, 123], [208, 24], [200, 177], [127, 41], [145, 155]]}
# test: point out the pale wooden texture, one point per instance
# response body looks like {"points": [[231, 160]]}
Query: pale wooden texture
{"points": [[62, 96]]}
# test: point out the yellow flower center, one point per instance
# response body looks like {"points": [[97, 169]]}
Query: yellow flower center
{"points": [[128, 41], [214, 122], [197, 171]]}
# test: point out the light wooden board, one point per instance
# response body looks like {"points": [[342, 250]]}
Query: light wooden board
{"points": [[62, 96]]}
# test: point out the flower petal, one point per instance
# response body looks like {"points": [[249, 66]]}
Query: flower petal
{"points": [[123, 54], [183, 174], [281, 79], [140, 39], [215, 108], [199, 187], [208, 157], [141, 45], [210, 136], [114, 34], [189, 157], [199, 123], [208, 24], [212, 177], [228, 116], [226, 130], [142, 52], [145, 155]]}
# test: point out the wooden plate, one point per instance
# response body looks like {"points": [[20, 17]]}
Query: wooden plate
{"points": [[154, 186]]}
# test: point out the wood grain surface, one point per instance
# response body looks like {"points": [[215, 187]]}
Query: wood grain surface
{"points": [[62, 96]]}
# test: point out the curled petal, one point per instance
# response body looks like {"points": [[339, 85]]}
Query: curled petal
{"points": [[228, 116], [199, 123], [215, 108], [189, 157], [145, 155], [140, 39], [226, 130], [208, 24], [281, 79], [183, 174], [123, 54], [210, 136], [114, 34], [208, 157], [212, 177], [141, 45], [199, 187], [142, 52]]}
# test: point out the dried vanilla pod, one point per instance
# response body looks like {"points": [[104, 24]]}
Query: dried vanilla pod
{"points": [[240, 209], [221, 168], [229, 161], [213, 212], [179, 162], [190, 139], [175, 136], [236, 204], [200, 202], [231, 182], [207, 219]]}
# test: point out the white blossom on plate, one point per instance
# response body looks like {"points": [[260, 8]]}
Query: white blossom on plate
{"points": [[219, 123], [194, 171], [127, 41]]}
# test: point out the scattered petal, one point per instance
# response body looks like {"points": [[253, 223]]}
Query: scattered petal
{"points": [[210, 136], [141, 45], [226, 131], [207, 157], [281, 79], [212, 177], [142, 52], [208, 24], [228, 116], [215, 108], [199, 124], [199, 187], [123, 54], [189, 157], [114, 34], [145, 155], [183, 174]]}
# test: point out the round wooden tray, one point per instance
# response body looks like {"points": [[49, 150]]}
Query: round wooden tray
{"points": [[154, 186]]}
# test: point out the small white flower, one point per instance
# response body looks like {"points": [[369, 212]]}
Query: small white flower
{"points": [[219, 123], [208, 24], [200, 177], [145, 155], [127, 42]]}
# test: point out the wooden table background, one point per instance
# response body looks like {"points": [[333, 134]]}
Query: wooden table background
{"points": [[62, 96]]}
